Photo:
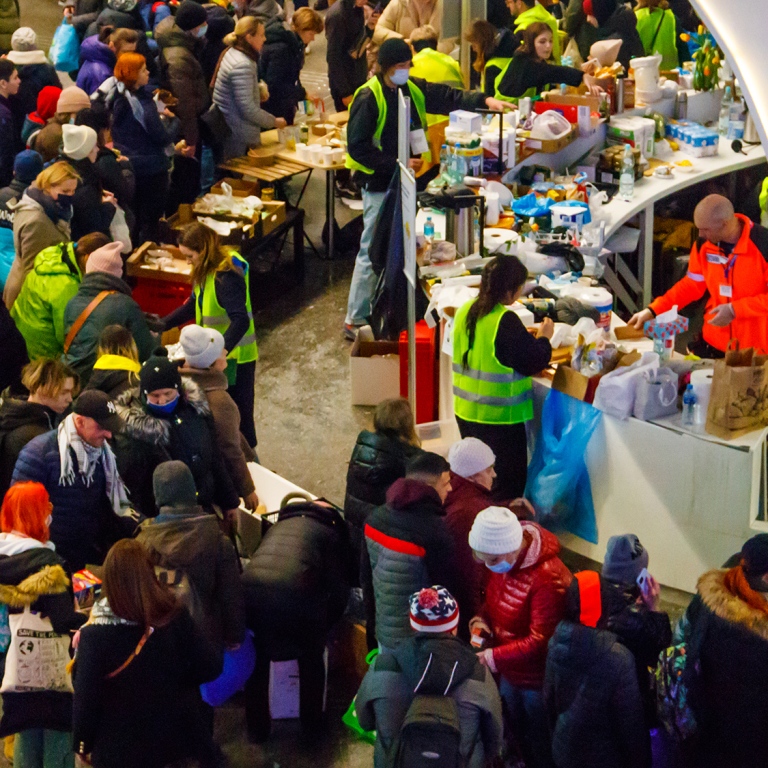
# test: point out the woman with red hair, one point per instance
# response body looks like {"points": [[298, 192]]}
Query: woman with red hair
{"points": [[32, 574], [145, 138]]}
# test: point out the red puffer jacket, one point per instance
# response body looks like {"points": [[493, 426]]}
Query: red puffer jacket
{"points": [[524, 606]]}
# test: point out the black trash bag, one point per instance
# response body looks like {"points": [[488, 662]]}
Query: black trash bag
{"points": [[572, 256], [346, 239]]}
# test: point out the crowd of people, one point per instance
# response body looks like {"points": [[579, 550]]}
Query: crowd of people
{"points": [[119, 455]]}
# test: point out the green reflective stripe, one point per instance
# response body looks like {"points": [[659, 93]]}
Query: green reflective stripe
{"points": [[502, 402], [374, 84], [498, 378], [764, 197]]}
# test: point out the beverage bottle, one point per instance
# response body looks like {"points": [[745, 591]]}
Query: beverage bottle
{"points": [[725, 112], [689, 406], [627, 178], [445, 159], [429, 229]]}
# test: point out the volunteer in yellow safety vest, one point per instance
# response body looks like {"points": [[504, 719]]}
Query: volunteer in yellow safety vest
{"points": [[527, 12], [221, 299], [493, 49], [372, 149], [529, 72], [494, 358]]}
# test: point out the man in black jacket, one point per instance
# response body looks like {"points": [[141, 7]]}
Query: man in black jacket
{"points": [[372, 149], [296, 588], [10, 137]]}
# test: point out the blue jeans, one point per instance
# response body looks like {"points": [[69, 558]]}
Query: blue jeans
{"points": [[363, 278], [528, 723], [42, 748]]}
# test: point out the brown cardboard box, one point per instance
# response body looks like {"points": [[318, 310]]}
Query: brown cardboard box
{"points": [[272, 216], [240, 187], [136, 266], [593, 102], [374, 371], [577, 385], [551, 145]]}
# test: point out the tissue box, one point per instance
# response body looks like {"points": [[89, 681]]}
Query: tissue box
{"points": [[663, 331], [461, 120], [86, 588]]}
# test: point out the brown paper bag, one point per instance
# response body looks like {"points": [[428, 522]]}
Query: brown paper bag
{"points": [[739, 400]]}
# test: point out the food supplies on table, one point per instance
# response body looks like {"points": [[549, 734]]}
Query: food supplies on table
{"points": [[462, 120], [617, 390], [663, 330], [693, 139], [638, 132], [609, 164], [656, 394]]}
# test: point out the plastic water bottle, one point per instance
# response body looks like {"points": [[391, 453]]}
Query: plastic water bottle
{"points": [[725, 112], [429, 229], [689, 406], [627, 178], [445, 160]]}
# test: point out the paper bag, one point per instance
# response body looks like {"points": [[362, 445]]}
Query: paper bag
{"points": [[739, 400]]}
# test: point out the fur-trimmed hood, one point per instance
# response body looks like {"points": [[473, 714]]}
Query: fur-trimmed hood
{"points": [[141, 425], [49, 580], [730, 607]]}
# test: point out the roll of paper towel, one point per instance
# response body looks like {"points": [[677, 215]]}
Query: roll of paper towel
{"points": [[502, 240], [702, 388], [492, 207]]}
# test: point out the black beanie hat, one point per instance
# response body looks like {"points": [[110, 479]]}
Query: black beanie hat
{"points": [[190, 15], [174, 485], [754, 555], [158, 372], [394, 51]]}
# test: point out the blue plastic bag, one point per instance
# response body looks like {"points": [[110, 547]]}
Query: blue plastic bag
{"points": [[558, 480], [64, 52], [531, 205], [238, 667]]}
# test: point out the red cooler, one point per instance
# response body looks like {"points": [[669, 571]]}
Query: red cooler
{"points": [[427, 371]]}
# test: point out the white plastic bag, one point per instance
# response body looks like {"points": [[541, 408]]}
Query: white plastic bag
{"points": [[37, 657], [615, 394], [119, 231], [656, 395]]}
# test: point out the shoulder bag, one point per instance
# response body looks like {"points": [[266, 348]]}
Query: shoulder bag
{"points": [[82, 317]]}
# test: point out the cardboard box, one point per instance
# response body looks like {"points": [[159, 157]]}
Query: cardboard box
{"points": [[577, 385], [240, 187], [374, 371], [593, 102], [284, 688], [136, 265], [246, 229], [550, 146], [272, 216], [462, 120]]}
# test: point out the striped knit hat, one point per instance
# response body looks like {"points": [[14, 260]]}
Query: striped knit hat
{"points": [[434, 609]]}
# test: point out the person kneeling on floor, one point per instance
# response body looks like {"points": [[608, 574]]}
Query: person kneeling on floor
{"points": [[431, 689]]}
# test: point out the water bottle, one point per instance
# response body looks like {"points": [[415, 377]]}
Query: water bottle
{"points": [[429, 229], [445, 160], [689, 406], [627, 178], [725, 112]]}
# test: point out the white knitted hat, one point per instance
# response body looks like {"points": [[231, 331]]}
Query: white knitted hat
{"points": [[78, 140], [202, 346], [496, 531], [24, 39], [470, 456]]}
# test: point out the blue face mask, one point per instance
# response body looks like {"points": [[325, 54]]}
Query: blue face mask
{"points": [[400, 76], [500, 567], [201, 32], [163, 410]]}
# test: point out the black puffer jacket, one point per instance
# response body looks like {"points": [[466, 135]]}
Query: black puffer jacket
{"points": [[20, 421], [297, 582], [186, 435], [280, 63], [378, 459], [593, 702]]}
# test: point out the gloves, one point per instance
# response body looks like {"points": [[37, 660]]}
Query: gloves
{"points": [[721, 316]]}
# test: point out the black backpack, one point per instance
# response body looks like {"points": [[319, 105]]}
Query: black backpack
{"points": [[430, 736]]}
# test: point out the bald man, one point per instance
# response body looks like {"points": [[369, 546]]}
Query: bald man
{"points": [[730, 262]]}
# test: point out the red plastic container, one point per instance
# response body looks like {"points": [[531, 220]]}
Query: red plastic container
{"points": [[427, 371], [569, 111], [160, 296]]}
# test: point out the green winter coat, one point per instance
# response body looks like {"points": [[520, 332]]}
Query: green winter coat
{"points": [[9, 22], [39, 308]]}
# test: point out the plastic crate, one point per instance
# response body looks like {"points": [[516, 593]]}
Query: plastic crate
{"points": [[160, 296]]}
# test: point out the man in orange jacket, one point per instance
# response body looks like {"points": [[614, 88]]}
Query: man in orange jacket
{"points": [[730, 262]]}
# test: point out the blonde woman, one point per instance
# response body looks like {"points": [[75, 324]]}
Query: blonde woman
{"points": [[236, 88], [42, 219], [221, 299], [117, 362], [282, 59]]}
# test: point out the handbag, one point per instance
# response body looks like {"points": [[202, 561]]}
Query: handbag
{"points": [[37, 657], [119, 231], [656, 395], [82, 317], [216, 128]]}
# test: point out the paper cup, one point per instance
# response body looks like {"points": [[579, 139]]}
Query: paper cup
{"points": [[302, 150]]}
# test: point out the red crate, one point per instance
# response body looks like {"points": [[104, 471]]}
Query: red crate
{"points": [[160, 296], [427, 371]]}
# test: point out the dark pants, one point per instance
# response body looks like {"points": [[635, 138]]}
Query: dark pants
{"points": [[311, 690], [149, 204], [510, 445], [528, 726], [242, 392]]}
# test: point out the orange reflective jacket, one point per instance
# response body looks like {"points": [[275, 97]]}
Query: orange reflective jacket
{"points": [[740, 280]]}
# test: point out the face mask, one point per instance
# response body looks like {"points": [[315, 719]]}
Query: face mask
{"points": [[400, 76], [201, 32], [164, 410], [501, 567], [65, 199]]}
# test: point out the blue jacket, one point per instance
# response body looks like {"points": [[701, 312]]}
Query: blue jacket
{"points": [[9, 194], [143, 144], [84, 525], [96, 64]]}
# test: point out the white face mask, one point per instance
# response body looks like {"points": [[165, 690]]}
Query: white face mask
{"points": [[400, 76]]}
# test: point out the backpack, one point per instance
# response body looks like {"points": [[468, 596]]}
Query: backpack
{"points": [[673, 676], [430, 736], [185, 592]]}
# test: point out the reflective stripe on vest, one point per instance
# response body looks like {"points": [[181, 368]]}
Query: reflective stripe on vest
{"points": [[485, 391], [213, 315], [378, 93], [764, 203], [529, 92]]}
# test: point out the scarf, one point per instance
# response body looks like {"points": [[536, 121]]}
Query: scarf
{"points": [[136, 108], [101, 613], [736, 583], [87, 458], [54, 210]]}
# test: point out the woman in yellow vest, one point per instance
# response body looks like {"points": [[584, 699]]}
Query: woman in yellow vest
{"points": [[493, 49], [494, 358], [530, 72], [221, 299], [657, 28]]}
